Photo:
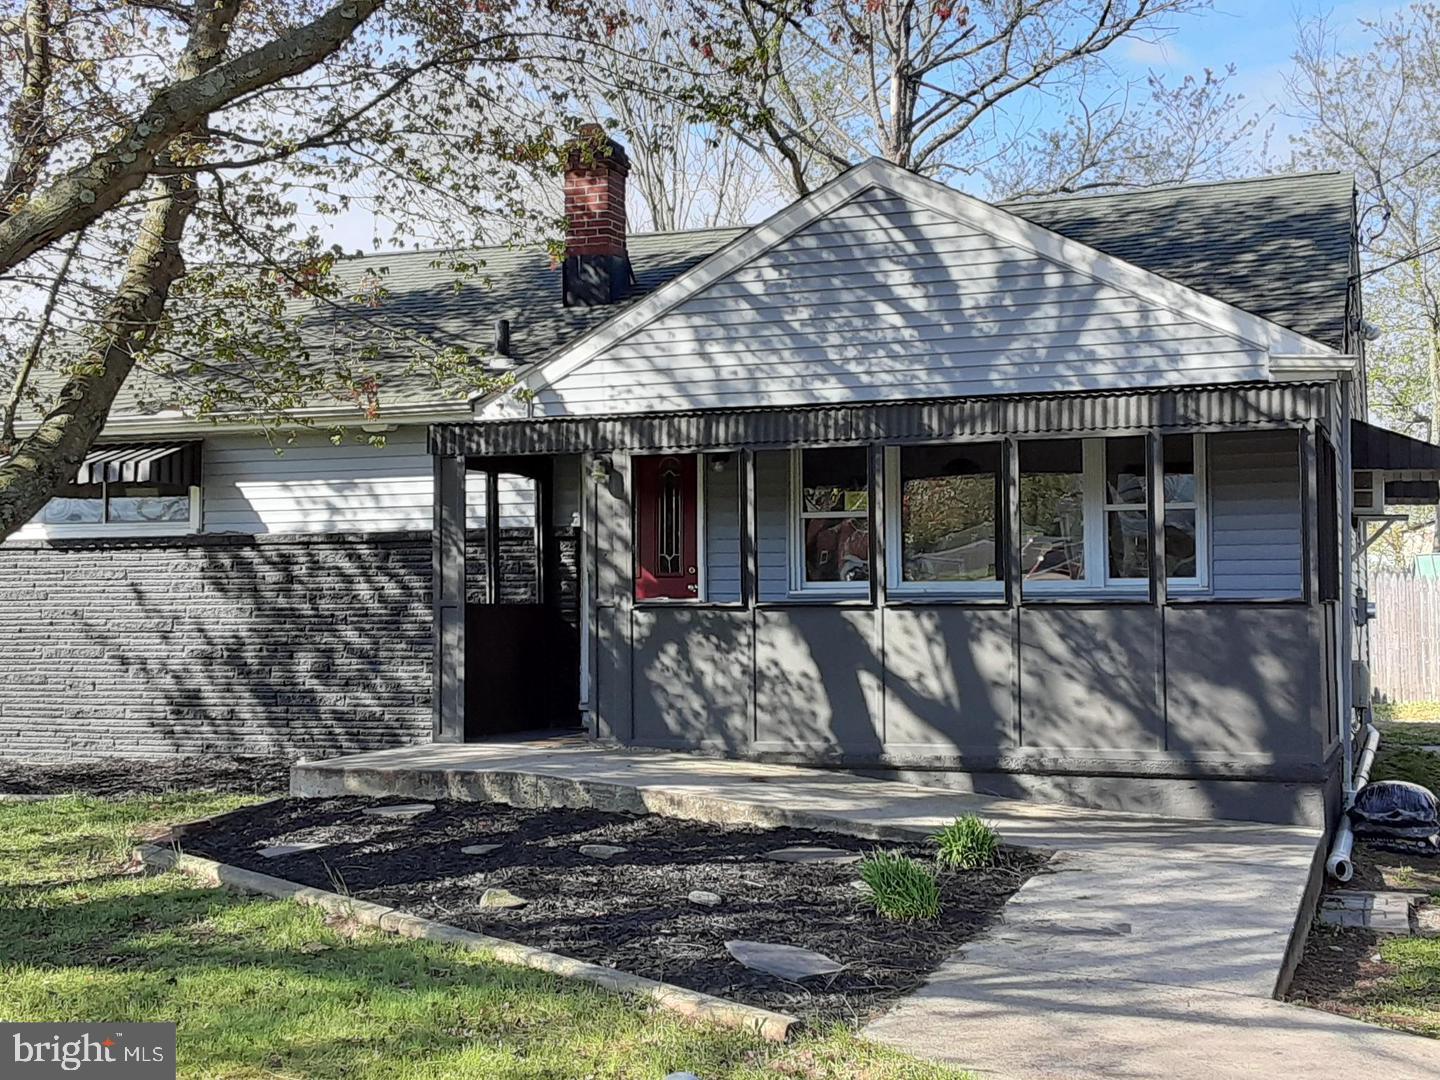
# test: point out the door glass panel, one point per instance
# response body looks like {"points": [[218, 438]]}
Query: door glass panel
{"points": [[669, 544]]}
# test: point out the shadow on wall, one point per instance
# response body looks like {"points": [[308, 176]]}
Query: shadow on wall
{"points": [[1236, 685], [308, 645]]}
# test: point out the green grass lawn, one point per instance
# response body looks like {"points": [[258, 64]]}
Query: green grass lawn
{"points": [[264, 988]]}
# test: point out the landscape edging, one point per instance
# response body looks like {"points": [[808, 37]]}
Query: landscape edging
{"points": [[698, 1006]]}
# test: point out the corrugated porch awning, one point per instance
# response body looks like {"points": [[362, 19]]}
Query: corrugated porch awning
{"points": [[1245, 405], [142, 463], [1380, 448]]}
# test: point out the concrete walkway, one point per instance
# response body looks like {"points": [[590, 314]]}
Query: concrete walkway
{"points": [[1151, 947]]}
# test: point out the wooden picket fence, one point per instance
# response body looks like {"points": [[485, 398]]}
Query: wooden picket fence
{"points": [[1405, 638]]}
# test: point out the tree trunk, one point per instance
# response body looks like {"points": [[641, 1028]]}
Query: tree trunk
{"points": [[51, 455]]}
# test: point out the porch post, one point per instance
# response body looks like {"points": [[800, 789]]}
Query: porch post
{"points": [[749, 527], [1155, 495], [448, 600]]}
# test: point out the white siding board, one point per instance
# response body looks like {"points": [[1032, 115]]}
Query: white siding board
{"points": [[772, 526], [1256, 549], [881, 300], [722, 530], [316, 486]]}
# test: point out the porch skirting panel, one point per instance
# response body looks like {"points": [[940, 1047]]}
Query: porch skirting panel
{"points": [[1204, 690]]}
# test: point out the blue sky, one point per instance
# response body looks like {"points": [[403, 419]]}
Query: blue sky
{"points": [[1258, 37]]}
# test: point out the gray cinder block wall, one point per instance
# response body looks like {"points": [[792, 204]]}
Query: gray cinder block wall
{"points": [[308, 645]]}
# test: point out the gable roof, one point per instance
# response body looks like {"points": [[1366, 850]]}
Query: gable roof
{"points": [[1262, 337], [1275, 247]]}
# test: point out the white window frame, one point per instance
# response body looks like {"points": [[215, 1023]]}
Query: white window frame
{"points": [[1201, 506], [1096, 512], [37, 529], [798, 517], [894, 541]]}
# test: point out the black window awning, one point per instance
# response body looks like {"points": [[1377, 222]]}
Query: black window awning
{"points": [[142, 463], [1380, 448]]}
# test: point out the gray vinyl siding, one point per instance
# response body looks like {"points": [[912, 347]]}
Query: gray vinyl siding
{"points": [[772, 540], [316, 486], [1256, 524], [885, 300], [722, 529]]}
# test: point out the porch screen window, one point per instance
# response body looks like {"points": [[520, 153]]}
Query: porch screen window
{"points": [[1052, 510], [949, 510], [834, 517], [1127, 520], [1085, 512], [1183, 506]]}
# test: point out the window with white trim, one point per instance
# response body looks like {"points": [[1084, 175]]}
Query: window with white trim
{"points": [[944, 522], [832, 520], [1085, 517], [119, 508]]}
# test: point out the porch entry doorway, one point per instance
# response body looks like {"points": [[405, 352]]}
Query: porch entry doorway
{"points": [[522, 649], [667, 510]]}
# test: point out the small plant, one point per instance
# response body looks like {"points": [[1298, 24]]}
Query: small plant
{"points": [[967, 843], [900, 887]]}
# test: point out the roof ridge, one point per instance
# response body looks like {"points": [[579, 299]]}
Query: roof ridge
{"points": [[1191, 185]]}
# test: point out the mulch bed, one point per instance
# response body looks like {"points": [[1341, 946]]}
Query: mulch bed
{"points": [[630, 912], [123, 777]]}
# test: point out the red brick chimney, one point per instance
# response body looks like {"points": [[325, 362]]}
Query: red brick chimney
{"points": [[597, 266]]}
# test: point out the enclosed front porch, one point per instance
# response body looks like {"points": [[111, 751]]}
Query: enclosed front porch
{"points": [[1031, 596]]}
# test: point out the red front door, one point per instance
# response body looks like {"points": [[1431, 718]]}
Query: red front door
{"points": [[665, 514]]}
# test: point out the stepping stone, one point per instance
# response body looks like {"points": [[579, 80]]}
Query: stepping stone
{"points": [[480, 849], [1382, 912], [400, 811], [802, 854], [783, 961], [705, 899], [601, 851], [275, 851], [501, 898]]}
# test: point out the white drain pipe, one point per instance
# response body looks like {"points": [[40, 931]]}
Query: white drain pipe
{"points": [[1339, 865]]}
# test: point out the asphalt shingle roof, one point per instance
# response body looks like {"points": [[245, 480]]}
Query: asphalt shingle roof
{"points": [[1278, 247]]}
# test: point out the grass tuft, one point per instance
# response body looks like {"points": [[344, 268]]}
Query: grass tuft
{"points": [[900, 887], [967, 843]]}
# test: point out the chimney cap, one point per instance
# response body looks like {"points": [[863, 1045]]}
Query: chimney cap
{"points": [[592, 145]]}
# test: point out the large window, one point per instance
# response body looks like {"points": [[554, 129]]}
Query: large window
{"points": [[832, 519], [946, 534], [1085, 517], [1052, 511], [92, 509]]}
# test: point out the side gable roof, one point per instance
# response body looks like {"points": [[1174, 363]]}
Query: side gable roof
{"points": [[774, 254]]}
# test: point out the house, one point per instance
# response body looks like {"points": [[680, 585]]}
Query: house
{"points": [[1051, 498]]}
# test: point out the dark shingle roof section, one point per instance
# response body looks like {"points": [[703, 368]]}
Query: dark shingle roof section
{"points": [[522, 285], [1278, 247]]}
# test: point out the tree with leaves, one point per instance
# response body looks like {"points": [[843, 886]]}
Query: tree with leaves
{"points": [[169, 166], [1017, 94], [1375, 112]]}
